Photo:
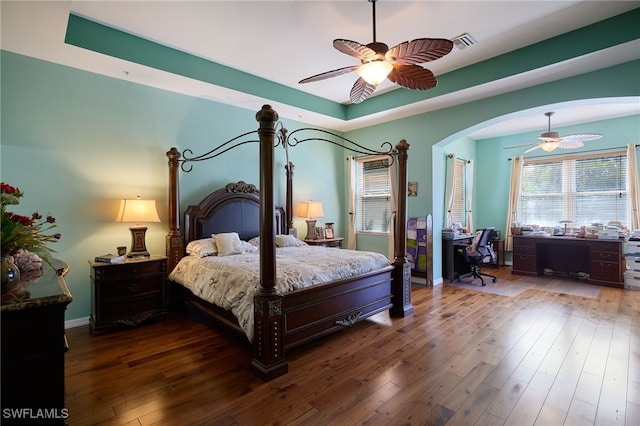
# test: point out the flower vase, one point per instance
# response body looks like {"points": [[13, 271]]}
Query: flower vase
{"points": [[10, 273]]}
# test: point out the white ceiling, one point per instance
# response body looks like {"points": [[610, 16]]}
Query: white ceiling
{"points": [[235, 34]]}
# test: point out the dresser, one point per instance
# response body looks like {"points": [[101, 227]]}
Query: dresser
{"points": [[127, 294], [598, 261], [33, 347]]}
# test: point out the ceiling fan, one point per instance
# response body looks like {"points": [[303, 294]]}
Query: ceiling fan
{"points": [[399, 64], [549, 140]]}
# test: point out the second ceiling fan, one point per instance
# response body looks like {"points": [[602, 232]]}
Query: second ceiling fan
{"points": [[549, 141], [399, 64]]}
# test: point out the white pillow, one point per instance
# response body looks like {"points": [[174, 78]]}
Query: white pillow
{"points": [[201, 248], [247, 247], [255, 241], [227, 243], [284, 240]]}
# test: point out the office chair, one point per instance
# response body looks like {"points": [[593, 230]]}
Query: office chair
{"points": [[474, 256]]}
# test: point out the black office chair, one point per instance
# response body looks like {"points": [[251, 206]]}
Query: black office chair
{"points": [[474, 257]]}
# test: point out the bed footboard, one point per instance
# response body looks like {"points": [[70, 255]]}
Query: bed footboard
{"points": [[313, 313]]}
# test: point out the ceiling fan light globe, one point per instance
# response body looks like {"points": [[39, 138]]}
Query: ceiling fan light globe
{"points": [[375, 72], [550, 146]]}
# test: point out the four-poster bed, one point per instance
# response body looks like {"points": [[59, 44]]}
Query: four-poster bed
{"points": [[284, 320]]}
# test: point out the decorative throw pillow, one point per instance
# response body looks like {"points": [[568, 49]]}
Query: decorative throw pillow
{"points": [[283, 240], [201, 248], [227, 243], [255, 241], [247, 247]]}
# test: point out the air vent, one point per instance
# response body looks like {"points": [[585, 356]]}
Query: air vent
{"points": [[463, 41]]}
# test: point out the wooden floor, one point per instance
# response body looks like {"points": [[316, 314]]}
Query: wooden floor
{"points": [[464, 358]]}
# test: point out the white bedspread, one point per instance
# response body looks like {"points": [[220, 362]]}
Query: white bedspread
{"points": [[232, 281]]}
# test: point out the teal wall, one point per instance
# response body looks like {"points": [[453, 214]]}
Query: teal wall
{"points": [[77, 143], [431, 134], [492, 176]]}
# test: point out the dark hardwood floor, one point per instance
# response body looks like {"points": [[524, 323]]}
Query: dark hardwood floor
{"points": [[465, 358]]}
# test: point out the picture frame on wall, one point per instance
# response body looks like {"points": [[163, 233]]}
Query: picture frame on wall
{"points": [[412, 189]]}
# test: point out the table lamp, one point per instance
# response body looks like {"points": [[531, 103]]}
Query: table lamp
{"points": [[310, 210], [138, 211]]}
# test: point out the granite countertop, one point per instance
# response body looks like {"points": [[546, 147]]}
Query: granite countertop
{"points": [[38, 288]]}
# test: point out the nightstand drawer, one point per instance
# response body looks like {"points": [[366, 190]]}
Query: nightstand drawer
{"points": [[138, 287], [133, 307], [125, 271]]}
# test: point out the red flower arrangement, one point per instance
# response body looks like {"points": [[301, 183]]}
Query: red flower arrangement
{"points": [[24, 232]]}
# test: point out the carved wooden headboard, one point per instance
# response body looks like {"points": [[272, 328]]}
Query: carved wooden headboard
{"points": [[234, 208]]}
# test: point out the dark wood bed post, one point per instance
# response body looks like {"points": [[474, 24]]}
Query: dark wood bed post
{"points": [[268, 342], [402, 306], [289, 197], [174, 240]]}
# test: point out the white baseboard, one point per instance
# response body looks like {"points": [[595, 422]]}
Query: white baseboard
{"points": [[78, 322], [423, 281]]}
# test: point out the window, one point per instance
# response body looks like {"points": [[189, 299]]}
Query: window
{"points": [[459, 208], [582, 189], [373, 194]]}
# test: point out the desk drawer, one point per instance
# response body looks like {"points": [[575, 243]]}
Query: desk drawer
{"points": [[523, 241], [524, 262], [610, 246], [605, 256], [531, 250], [606, 271]]}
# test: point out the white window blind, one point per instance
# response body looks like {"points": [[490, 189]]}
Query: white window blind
{"points": [[583, 189], [459, 196], [373, 195]]}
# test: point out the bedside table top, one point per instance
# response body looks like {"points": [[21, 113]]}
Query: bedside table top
{"points": [[324, 240], [130, 260]]}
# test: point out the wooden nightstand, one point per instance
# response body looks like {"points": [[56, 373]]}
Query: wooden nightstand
{"points": [[129, 293], [331, 242]]}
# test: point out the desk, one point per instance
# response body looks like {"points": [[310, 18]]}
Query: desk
{"points": [[449, 266], [602, 260], [448, 256]]}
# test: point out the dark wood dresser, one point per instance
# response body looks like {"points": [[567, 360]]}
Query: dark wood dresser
{"points": [[128, 294], [599, 261], [33, 348]]}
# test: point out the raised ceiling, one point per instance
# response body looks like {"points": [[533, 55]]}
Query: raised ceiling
{"points": [[285, 41]]}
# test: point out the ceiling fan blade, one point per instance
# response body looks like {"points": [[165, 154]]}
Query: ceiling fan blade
{"points": [[582, 137], [329, 74], [413, 77], [361, 90], [533, 148], [521, 145], [419, 51], [355, 49]]}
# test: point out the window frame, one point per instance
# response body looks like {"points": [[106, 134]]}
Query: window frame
{"points": [[360, 226], [460, 192], [574, 202]]}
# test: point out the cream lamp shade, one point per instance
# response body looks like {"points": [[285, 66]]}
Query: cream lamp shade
{"points": [[138, 211], [310, 210], [549, 145], [375, 72]]}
